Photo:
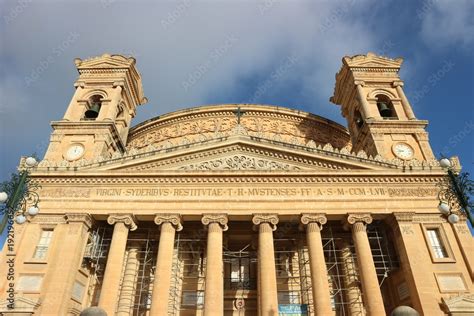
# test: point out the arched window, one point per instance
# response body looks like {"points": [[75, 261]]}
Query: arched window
{"points": [[94, 105], [385, 107]]}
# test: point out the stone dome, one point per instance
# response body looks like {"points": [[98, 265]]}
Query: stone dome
{"points": [[219, 121]]}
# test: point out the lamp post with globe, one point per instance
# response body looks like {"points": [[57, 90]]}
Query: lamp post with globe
{"points": [[456, 189], [18, 197]]}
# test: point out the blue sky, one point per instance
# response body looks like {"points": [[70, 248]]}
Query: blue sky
{"points": [[273, 52]]}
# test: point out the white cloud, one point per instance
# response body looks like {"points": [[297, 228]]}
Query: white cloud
{"points": [[447, 22]]}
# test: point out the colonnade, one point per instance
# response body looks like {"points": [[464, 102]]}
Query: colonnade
{"points": [[113, 301]]}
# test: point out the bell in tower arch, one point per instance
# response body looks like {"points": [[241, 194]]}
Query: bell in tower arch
{"points": [[384, 110], [93, 112]]}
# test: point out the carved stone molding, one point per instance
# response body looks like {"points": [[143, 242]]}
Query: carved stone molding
{"points": [[128, 219], [271, 219], [81, 218], [404, 217], [395, 180], [48, 219], [240, 162], [221, 219], [173, 219], [364, 218]]}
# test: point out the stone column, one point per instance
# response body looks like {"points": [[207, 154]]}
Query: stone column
{"points": [[70, 238], [268, 293], [129, 281], [170, 223], [352, 295], [109, 108], [319, 275], [406, 105], [214, 295], [365, 106], [115, 258], [370, 284]]}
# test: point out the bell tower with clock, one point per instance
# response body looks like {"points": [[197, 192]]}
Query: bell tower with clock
{"points": [[380, 118], [98, 118]]}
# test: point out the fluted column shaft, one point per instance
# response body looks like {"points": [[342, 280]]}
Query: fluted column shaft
{"points": [[214, 289], [370, 283], [115, 258], [129, 282], [267, 272], [317, 263], [164, 261]]}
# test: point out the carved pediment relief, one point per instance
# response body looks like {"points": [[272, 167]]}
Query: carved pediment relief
{"points": [[243, 154], [240, 162]]}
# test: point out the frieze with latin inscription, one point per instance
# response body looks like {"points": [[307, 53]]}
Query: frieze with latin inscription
{"points": [[173, 192]]}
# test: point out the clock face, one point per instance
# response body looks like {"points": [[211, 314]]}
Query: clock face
{"points": [[403, 151], [74, 152]]}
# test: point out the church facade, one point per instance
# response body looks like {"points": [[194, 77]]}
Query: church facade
{"points": [[240, 209]]}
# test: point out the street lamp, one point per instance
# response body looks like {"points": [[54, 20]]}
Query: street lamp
{"points": [[19, 198], [456, 189]]}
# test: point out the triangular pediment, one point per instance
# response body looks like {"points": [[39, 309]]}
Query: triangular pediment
{"points": [[460, 304], [105, 61], [373, 61], [22, 304], [241, 154]]}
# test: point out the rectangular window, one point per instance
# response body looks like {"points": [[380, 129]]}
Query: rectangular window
{"points": [[43, 244], [439, 250], [193, 298]]}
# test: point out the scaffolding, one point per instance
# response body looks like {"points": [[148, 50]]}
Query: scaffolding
{"points": [[95, 259], [292, 265]]}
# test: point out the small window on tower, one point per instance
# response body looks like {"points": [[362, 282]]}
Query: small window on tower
{"points": [[95, 103], [385, 107], [358, 119]]}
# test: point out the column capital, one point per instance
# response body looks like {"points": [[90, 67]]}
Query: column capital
{"points": [[80, 218], [364, 218], [128, 219], [359, 83], [220, 219], [319, 218], [271, 219], [397, 84], [173, 219]]}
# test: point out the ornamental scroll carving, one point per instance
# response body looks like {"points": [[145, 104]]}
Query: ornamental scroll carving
{"points": [[128, 219], [271, 219], [356, 218], [240, 162], [313, 218], [316, 218], [173, 219], [221, 219]]}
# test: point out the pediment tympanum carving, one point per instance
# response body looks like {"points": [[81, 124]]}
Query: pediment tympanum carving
{"points": [[240, 154]]}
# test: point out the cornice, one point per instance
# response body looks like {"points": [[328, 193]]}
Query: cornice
{"points": [[229, 177]]}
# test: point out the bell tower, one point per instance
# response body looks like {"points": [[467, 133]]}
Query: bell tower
{"points": [[379, 116], [97, 120]]}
